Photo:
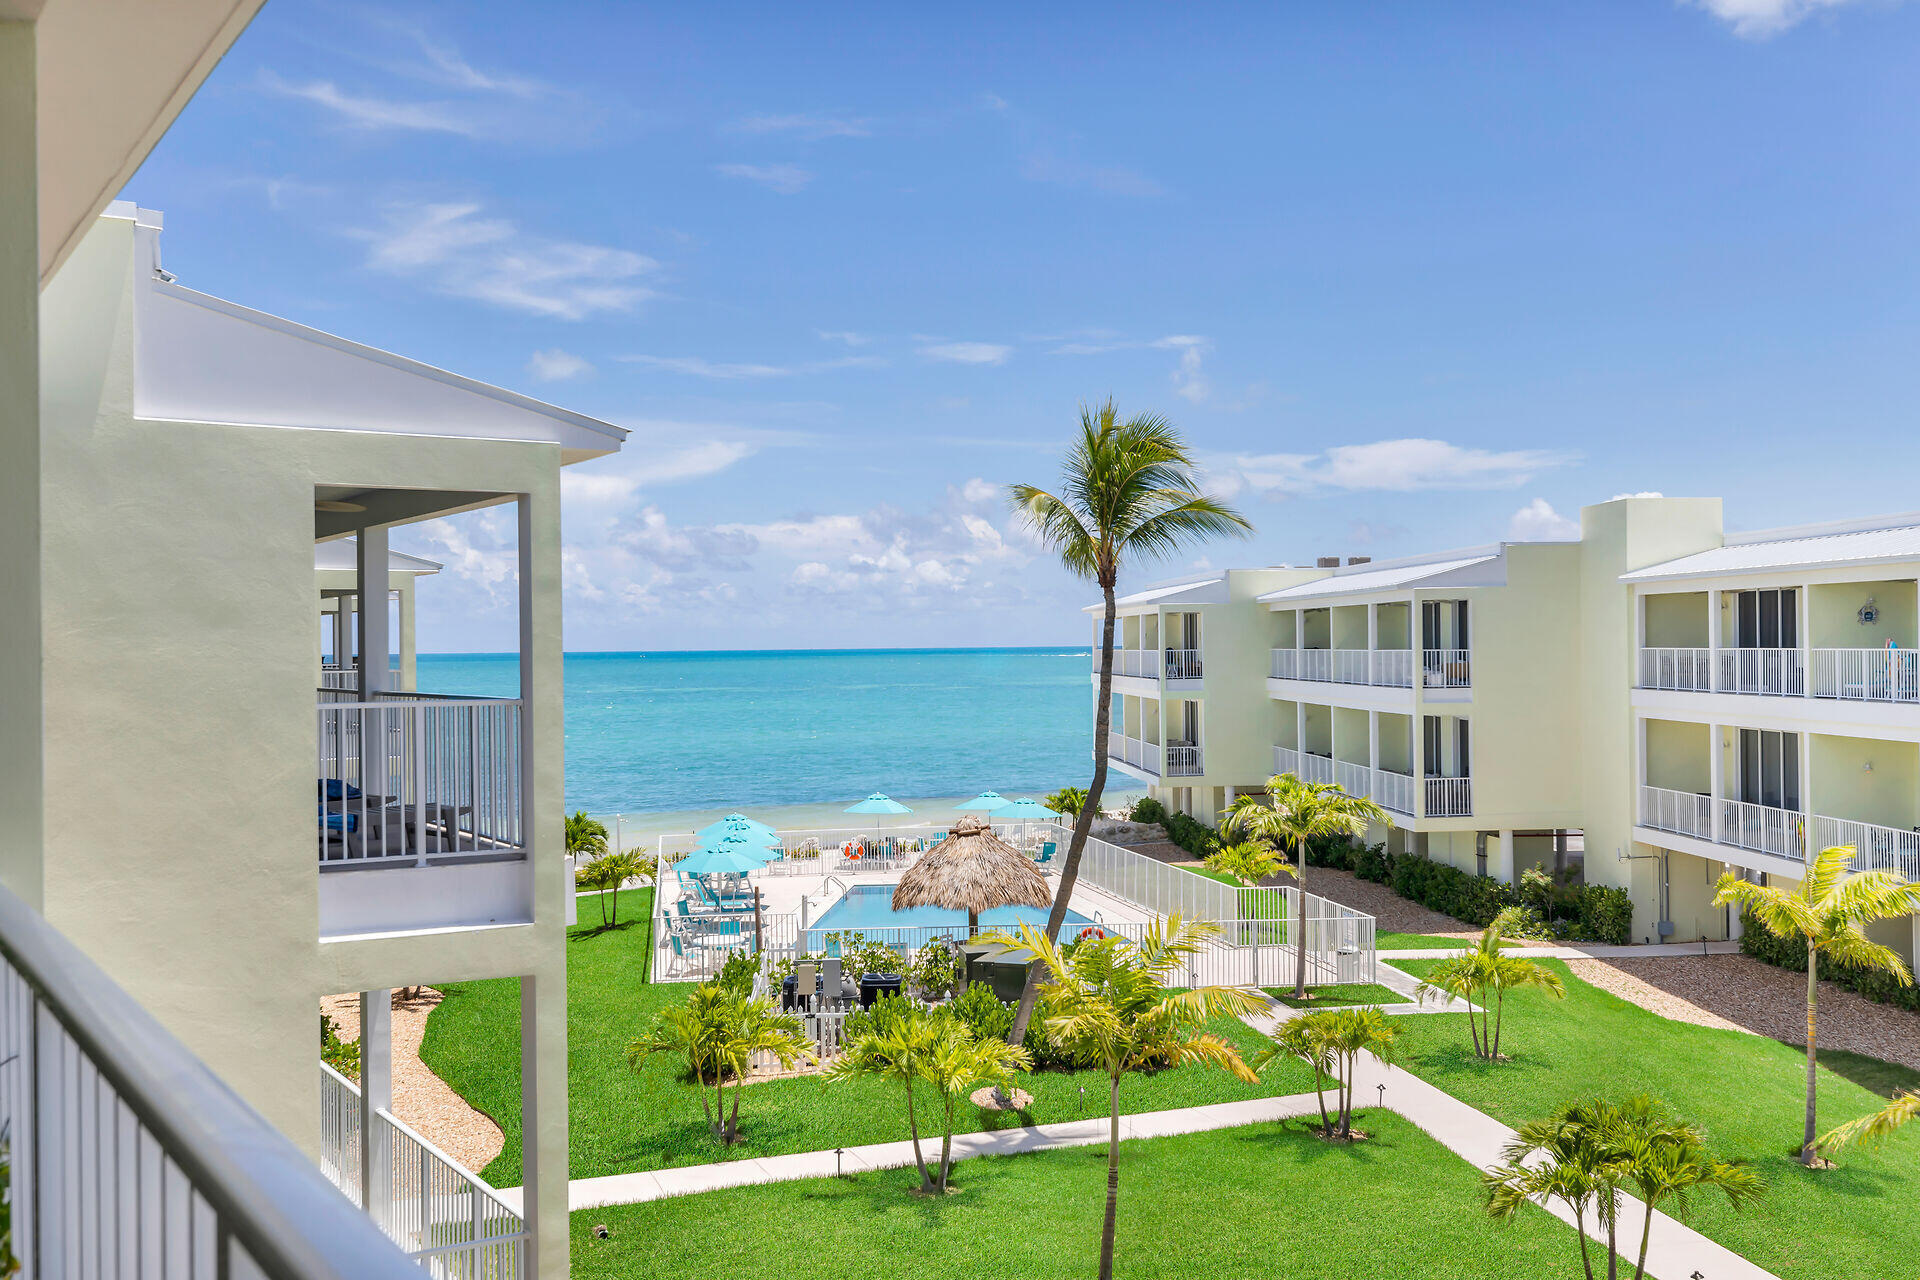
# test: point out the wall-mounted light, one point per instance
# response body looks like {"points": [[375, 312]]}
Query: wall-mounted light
{"points": [[1867, 767]]}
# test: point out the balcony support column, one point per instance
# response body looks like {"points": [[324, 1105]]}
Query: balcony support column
{"points": [[1714, 641], [1373, 742], [375, 643], [1717, 773], [1373, 644], [1804, 801], [1503, 869], [376, 1094]]}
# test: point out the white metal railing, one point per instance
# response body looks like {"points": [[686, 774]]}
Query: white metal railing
{"points": [[446, 1219], [1316, 768], [1866, 675], [1684, 813], [1352, 666], [1144, 663], [339, 678], [1690, 670], [1315, 664], [125, 1155], [1393, 668], [1183, 664], [1393, 790], [1764, 829], [1449, 797], [1286, 664], [1286, 760], [1137, 752], [414, 777], [1446, 668], [1876, 848], [1183, 760], [1354, 779], [1389, 668], [1777, 672]]}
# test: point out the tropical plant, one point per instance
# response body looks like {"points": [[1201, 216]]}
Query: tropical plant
{"points": [[586, 837], [606, 874], [895, 1038], [1109, 1005], [1828, 913], [934, 970], [1068, 800], [342, 1055], [1482, 976], [1130, 491], [1591, 1155], [1876, 1127], [1303, 1038], [1331, 1042], [957, 1063], [1291, 815], [718, 1033], [1248, 862]]}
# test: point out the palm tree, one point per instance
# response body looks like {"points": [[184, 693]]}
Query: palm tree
{"points": [[1481, 976], [607, 873], [1068, 800], [1130, 491], [1305, 1039], [586, 837], [899, 1037], [1247, 861], [1109, 1005], [1589, 1155], [719, 1032], [1877, 1126], [1331, 1042], [1829, 912], [956, 1063], [1293, 813]]}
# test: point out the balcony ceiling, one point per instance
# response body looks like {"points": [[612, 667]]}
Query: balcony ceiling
{"points": [[113, 75]]}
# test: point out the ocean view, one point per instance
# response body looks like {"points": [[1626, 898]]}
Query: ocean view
{"points": [[805, 732]]}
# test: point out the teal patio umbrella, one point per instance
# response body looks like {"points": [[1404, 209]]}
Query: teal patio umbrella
{"points": [[991, 803], [736, 824], [1023, 812], [876, 804], [731, 860]]}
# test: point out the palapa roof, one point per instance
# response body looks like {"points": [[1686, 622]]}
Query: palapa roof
{"points": [[972, 870]]}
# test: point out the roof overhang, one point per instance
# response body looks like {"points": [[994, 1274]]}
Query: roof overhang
{"points": [[1855, 545], [111, 77], [1192, 591], [1484, 567]]}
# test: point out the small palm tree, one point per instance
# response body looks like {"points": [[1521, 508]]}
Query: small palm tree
{"points": [[1130, 491], [957, 1063], [1877, 1126], [893, 1048], [1482, 975], [1109, 1005], [606, 874], [718, 1033], [586, 837], [1247, 861], [1068, 800], [1590, 1155], [1829, 912], [1293, 813], [1305, 1039], [1331, 1042]]}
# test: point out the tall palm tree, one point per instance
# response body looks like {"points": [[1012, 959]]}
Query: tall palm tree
{"points": [[1109, 1005], [1130, 491], [586, 837], [1829, 912], [1292, 813], [1877, 1126]]}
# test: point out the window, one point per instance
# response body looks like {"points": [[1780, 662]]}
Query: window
{"points": [[1433, 757], [1769, 768], [1766, 619]]}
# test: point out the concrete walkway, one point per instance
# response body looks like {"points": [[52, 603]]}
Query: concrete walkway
{"points": [[1580, 951]]}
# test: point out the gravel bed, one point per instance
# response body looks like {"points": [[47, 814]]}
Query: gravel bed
{"points": [[1742, 994], [421, 1098]]}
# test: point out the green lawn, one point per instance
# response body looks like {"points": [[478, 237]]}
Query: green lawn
{"points": [[1340, 993], [621, 1120], [1420, 942], [1861, 1219], [1265, 1200]]}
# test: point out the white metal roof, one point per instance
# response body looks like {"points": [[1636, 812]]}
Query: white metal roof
{"points": [[1807, 550], [343, 553], [1364, 579], [1209, 590]]}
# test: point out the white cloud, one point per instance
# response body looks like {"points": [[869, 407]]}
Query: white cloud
{"points": [[977, 491], [698, 367], [555, 365], [1395, 466], [1188, 382], [787, 179], [446, 65], [367, 112], [967, 352], [466, 255], [1049, 166], [1758, 19], [843, 336], [1644, 494], [1539, 522], [811, 128]]}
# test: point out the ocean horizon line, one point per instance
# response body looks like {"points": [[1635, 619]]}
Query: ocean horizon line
{"points": [[767, 653]]}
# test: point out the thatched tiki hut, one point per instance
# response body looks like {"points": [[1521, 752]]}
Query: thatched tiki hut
{"points": [[972, 870]]}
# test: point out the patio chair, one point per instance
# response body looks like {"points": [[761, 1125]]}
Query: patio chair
{"points": [[803, 975], [676, 951], [1046, 852]]}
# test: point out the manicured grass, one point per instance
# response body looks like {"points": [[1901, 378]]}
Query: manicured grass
{"points": [[621, 1120], [1265, 1200], [1338, 994], [1860, 1219], [1417, 942]]}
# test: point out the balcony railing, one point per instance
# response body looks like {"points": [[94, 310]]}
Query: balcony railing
{"points": [[450, 1222], [1134, 751], [1866, 675], [1354, 779], [1143, 663], [1764, 829], [1446, 668], [1388, 668], [1683, 813], [1286, 760], [1183, 664], [1183, 760], [127, 1156], [1449, 797], [1875, 848], [1772, 672], [1688, 670], [411, 778], [1316, 768]]}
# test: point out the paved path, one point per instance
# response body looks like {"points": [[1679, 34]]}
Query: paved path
{"points": [[1581, 951]]}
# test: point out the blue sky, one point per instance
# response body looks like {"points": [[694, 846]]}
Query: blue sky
{"points": [[1409, 276]]}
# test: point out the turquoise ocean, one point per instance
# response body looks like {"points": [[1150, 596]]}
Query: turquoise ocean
{"points": [[672, 736]]}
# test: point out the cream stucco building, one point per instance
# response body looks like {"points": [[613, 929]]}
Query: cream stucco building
{"points": [[1650, 706]]}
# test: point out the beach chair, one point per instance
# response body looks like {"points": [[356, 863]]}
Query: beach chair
{"points": [[1046, 853]]}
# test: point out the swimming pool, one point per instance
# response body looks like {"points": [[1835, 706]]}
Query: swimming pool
{"points": [[868, 908]]}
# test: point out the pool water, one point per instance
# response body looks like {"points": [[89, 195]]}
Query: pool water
{"points": [[867, 907]]}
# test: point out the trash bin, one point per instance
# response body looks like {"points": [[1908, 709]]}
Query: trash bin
{"points": [[874, 985]]}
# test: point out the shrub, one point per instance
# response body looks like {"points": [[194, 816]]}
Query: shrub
{"points": [[934, 971], [343, 1055], [1371, 862], [738, 973], [1791, 954], [1147, 810], [1196, 837], [985, 1013], [1603, 914]]}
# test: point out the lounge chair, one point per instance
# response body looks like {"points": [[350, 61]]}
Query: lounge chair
{"points": [[1046, 853]]}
